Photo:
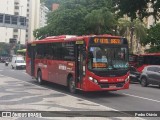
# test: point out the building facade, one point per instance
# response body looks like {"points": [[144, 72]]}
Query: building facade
{"points": [[13, 12], [43, 15], [34, 18]]}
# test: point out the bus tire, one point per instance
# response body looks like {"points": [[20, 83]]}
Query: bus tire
{"points": [[39, 77], [71, 85], [144, 82]]}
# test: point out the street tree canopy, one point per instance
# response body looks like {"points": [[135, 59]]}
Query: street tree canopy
{"points": [[79, 17], [138, 8], [153, 38]]}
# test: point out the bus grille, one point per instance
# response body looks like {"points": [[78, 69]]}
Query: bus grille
{"points": [[109, 85]]}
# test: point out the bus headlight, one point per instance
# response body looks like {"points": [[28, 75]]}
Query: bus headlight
{"points": [[90, 78], [127, 79], [93, 80]]}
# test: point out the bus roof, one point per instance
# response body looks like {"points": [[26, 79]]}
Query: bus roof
{"points": [[69, 38]]}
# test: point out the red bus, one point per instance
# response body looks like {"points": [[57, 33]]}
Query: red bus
{"points": [[133, 60], [87, 63], [148, 59]]}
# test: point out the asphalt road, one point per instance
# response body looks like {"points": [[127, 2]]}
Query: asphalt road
{"points": [[137, 98]]}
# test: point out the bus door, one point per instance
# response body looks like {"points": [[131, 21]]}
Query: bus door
{"points": [[32, 62], [80, 62]]}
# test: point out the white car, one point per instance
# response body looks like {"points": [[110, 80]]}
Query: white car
{"points": [[18, 62]]}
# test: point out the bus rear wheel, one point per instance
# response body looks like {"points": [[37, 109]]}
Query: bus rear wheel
{"points": [[71, 85], [39, 78]]}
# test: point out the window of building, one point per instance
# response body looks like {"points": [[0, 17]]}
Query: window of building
{"points": [[15, 30], [16, 13], [16, 3], [14, 20], [7, 19], [1, 18], [16, 7], [22, 21], [15, 36]]}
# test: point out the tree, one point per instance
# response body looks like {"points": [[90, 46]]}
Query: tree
{"points": [[78, 17], [132, 8], [127, 28], [153, 38], [156, 9], [100, 21], [4, 48]]}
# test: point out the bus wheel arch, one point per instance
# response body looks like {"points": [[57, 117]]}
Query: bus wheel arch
{"points": [[39, 76], [71, 83]]}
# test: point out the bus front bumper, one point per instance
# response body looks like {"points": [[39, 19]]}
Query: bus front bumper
{"points": [[90, 86]]}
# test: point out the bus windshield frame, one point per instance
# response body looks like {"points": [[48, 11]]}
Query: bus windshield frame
{"points": [[108, 57]]}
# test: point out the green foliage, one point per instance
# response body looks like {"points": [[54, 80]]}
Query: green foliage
{"points": [[79, 17], [100, 21], [156, 9], [131, 8], [137, 8], [136, 26], [153, 38], [4, 48]]}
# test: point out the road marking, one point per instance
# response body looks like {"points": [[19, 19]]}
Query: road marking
{"points": [[142, 97]]}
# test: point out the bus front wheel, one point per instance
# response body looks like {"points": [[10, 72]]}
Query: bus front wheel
{"points": [[71, 85], [39, 78]]}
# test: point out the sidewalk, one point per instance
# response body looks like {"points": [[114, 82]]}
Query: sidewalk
{"points": [[18, 95]]}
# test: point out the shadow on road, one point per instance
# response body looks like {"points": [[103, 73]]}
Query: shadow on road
{"points": [[82, 94]]}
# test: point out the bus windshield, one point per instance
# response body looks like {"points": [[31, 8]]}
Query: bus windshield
{"points": [[105, 57]]}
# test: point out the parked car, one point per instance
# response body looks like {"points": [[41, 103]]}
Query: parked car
{"points": [[134, 74], [150, 75]]}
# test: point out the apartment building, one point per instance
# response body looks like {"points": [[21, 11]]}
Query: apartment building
{"points": [[34, 18], [43, 15], [12, 18], [31, 12]]}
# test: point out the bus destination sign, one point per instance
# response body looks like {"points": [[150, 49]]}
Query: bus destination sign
{"points": [[106, 41]]}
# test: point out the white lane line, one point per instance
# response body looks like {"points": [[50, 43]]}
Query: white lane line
{"points": [[142, 97]]}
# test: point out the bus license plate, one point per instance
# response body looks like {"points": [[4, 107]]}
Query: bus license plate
{"points": [[112, 86]]}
